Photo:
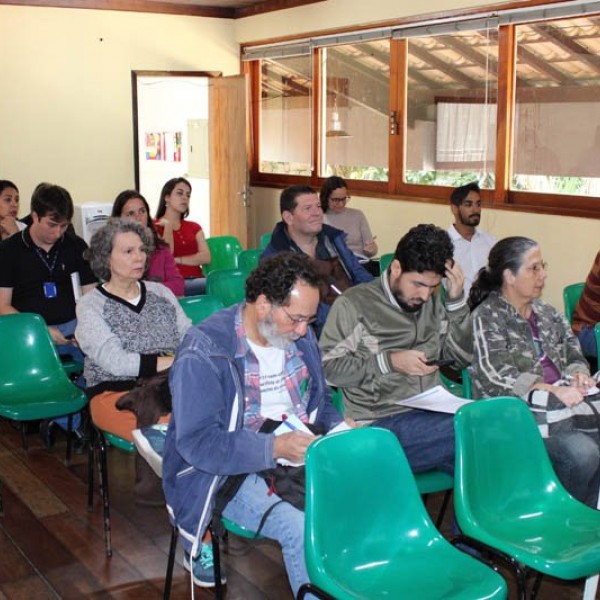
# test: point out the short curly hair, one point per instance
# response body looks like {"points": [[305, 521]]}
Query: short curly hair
{"points": [[424, 248], [101, 244], [276, 276]]}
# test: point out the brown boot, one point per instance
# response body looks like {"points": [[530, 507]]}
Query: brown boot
{"points": [[148, 486]]}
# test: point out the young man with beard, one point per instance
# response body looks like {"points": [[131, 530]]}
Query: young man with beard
{"points": [[380, 336], [471, 245], [254, 361]]}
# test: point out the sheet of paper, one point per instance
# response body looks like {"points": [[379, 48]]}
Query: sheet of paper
{"points": [[437, 399], [343, 426]]}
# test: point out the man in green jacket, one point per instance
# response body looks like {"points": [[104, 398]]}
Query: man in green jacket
{"points": [[380, 336]]}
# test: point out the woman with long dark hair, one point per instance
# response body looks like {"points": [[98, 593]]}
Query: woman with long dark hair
{"points": [[185, 238], [524, 347]]}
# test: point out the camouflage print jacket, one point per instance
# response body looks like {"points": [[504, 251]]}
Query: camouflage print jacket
{"points": [[506, 362]]}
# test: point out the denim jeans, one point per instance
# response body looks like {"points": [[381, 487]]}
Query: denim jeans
{"points": [[587, 339], [427, 438], [68, 329], [194, 287], [285, 524], [575, 457]]}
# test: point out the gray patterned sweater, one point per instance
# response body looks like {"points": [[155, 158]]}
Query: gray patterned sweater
{"points": [[122, 341]]}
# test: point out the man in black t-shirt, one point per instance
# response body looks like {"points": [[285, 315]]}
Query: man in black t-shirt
{"points": [[43, 271]]}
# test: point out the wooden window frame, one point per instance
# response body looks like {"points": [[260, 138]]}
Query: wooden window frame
{"points": [[500, 197]]}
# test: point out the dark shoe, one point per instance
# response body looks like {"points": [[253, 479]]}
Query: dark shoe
{"points": [[150, 443], [148, 486], [47, 432], [202, 568]]}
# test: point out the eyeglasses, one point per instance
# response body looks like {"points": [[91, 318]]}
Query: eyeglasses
{"points": [[537, 268], [297, 320], [339, 200]]}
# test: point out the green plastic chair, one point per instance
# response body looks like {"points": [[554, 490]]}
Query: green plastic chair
{"points": [[197, 308], [428, 482], [463, 389], [367, 533], [248, 259], [385, 260], [33, 383], [571, 295], [229, 285], [509, 502], [224, 250], [265, 240]]}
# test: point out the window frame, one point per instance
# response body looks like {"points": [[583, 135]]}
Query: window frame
{"points": [[500, 197]]}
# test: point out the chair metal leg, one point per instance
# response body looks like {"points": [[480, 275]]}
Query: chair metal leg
{"points": [[69, 439], [170, 563], [91, 460], [442, 513], [217, 564], [24, 436], [103, 484], [536, 585], [1, 503]]}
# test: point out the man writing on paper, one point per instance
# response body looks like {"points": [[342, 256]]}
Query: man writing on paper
{"points": [[380, 336], [254, 361]]}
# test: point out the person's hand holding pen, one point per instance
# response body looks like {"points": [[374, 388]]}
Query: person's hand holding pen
{"points": [[292, 446]]}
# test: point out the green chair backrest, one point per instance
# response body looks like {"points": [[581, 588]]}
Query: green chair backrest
{"points": [[197, 308], [502, 464], [33, 383], [224, 250], [356, 513], [337, 399], [571, 295], [265, 240], [463, 389], [229, 285], [248, 259], [385, 260]]}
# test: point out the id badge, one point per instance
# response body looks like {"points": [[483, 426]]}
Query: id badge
{"points": [[50, 289]]}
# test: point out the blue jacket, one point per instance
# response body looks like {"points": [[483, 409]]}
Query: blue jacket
{"points": [[334, 239], [206, 440]]}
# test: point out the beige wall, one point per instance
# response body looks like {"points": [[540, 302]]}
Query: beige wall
{"points": [[337, 13], [569, 244], [65, 107]]}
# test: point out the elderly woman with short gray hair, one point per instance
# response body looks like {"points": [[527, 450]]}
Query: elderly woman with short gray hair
{"points": [[127, 328]]}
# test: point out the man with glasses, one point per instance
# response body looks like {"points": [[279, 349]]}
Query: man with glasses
{"points": [[471, 244], [301, 230], [242, 366], [383, 342]]}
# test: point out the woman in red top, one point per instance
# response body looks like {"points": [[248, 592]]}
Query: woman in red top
{"points": [[185, 238]]}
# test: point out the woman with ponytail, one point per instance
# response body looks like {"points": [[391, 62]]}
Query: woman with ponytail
{"points": [[524, 347]]}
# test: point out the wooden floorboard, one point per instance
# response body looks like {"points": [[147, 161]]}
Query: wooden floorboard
{"points": [[52, 547]]}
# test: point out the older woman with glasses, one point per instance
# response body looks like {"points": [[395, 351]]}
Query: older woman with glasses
{"points": [[127, 328], [524, 347], [334, 201]]}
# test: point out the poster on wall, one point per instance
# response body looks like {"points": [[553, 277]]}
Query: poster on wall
{"points": [[164, 145]]}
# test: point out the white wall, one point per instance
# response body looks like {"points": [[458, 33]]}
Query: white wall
{"points": [[65, 107]]}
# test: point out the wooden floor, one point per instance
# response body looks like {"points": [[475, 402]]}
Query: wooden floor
{"points": [[52, 547]]}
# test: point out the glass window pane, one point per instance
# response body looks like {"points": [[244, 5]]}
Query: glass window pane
{"points": [[451, 109], [557, 119], [355, 110], [285, 116]]}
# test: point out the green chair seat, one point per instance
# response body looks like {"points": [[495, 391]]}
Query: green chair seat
{"points": [[119, 442], [571, 295], [33, 383], [385, 260], [229, 285], [368, 534], [224, 250], [197, 308], [433, 481], [508, 497], [248, 259], [265, 240]]}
